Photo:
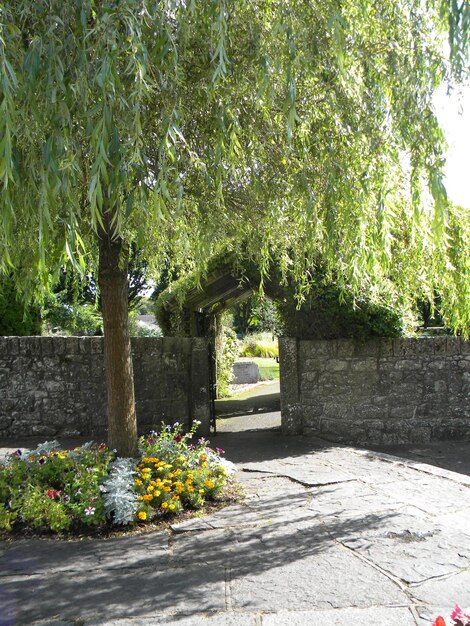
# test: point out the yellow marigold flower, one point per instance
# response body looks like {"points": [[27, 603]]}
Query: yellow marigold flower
{"points": [[176, 498], [190, 488], [171, 507], [157, 493], [150, 488], [167, 488], [168, 466], [201, 490], [142, 515], [188, 481], [138, 482], [140, 497], [209, 484], [180, 458], [164, 505], [179, 489]]}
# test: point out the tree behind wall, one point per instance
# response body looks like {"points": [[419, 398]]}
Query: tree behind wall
{"points": [[270, 127]]}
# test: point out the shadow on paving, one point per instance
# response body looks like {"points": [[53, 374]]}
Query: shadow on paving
{"points": [[136, 576], [265, 403], [247, 445], [449, 455], [265, 445]]}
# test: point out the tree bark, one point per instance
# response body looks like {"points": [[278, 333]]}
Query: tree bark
{"points": [[113, 283]]}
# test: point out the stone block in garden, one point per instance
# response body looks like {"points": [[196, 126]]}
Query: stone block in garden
{"points": [[245, 372]]}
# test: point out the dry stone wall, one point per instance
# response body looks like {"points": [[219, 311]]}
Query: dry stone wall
{"points": [[55, 386], [382, 391]]}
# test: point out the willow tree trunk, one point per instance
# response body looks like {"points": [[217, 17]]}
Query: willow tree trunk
{"points": [[113, 283]]}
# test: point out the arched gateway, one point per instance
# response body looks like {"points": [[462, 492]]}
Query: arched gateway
{"points": [[363, 389]]}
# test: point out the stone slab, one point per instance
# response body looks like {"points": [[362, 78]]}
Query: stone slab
{"points": [[342, 617], [317, 576], [225, 618], [444, 591]]}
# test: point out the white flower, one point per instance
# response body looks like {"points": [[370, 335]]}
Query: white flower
{"points": [[228, 466], [90, 510]]}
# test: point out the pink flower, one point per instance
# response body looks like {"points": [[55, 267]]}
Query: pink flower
{"points": [[458, 614], [220, 451], [151, 439]]}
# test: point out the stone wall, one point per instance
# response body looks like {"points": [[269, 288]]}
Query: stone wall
{"points": [[55, 386], [383, 391]]}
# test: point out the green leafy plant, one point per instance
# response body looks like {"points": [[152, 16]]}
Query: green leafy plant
{"points": [[53, 488], [226, 352], [259, 346], [16, 316]]}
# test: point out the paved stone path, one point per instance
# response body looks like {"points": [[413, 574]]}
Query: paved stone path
{"points": [[326, 536]]}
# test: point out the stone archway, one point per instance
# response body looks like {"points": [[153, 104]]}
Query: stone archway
{"points": [[197, 311]]}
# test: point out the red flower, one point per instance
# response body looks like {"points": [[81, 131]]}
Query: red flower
{"points": [[52, 494], [102, 446], [178, 437]]}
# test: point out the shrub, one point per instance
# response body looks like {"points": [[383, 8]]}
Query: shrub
{"points": [[16, 317], [328, 314], [68, 319], [69, 490], [260, 350], [260, 345]]}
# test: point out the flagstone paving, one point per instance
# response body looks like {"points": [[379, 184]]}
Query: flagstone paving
{"points": [[325, 536]]}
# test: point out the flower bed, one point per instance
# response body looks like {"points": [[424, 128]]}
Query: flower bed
{"points": [[70, 490]]}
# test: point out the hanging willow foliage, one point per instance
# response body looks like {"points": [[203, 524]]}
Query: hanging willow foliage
{"points": [[301, 131]]}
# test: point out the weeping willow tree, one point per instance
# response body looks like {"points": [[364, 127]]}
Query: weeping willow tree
{"points": [[300, 130]]}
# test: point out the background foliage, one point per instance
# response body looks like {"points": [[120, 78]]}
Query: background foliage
{"points": [[17, 317], [301, 131]]}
